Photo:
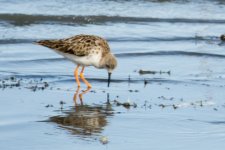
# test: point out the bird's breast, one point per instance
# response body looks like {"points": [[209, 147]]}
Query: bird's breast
{"points": [[89, 60]]}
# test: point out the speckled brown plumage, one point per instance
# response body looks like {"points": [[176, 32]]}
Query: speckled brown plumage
{"points": [[79, 45]]}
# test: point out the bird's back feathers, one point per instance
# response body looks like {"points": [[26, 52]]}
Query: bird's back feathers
{"points": [[80, 45]]}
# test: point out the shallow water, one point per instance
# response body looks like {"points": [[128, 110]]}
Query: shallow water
{"points": [[179, 105]]}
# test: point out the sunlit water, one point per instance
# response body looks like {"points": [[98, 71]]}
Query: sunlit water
{"points": [[183, 109]]}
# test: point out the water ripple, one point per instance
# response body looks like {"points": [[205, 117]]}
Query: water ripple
{"points": [[170, 53], [25, 19]]}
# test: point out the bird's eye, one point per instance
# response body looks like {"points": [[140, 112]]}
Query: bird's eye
{"points": [[107, 66]]}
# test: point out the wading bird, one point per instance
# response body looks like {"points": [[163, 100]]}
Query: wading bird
{"points": [[84, 50]]}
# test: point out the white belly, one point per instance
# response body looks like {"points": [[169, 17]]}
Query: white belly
{"points": [[90, 60]]}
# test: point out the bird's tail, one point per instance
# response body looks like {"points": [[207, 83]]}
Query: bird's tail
{"points": [[49, 43]]}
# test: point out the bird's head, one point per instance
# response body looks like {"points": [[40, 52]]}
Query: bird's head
{"points": [[109, 62]]}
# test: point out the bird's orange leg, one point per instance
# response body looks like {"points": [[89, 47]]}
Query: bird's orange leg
{"points": [[76, 75], [83, 79]]}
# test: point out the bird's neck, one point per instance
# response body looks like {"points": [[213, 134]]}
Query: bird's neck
{"points": [[101, 63]]}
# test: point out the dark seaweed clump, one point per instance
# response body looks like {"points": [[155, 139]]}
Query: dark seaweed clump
{"points": [[32, 84]]}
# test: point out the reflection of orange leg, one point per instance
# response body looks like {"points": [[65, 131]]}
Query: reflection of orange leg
{"points": [[76, 75], [75, 95], [82, 77], [80, 95], [84, 92]]}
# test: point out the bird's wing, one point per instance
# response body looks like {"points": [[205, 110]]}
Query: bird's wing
{"points": [[79, 45]]}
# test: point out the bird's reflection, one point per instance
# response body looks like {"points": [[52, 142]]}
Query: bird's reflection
{"points": [[84, 120]]}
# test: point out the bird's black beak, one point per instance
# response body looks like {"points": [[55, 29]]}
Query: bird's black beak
{"points": [[109, 78]]}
